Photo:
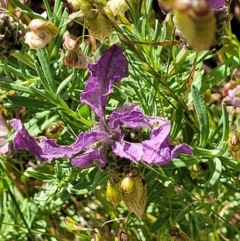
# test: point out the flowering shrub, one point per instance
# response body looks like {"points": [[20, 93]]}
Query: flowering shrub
{"points": [[123, 135]]}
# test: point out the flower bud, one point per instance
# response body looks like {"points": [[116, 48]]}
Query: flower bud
{"points": [[113, 193], [195, 21], [127, 185]]}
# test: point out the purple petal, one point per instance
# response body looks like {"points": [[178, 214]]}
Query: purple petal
{"points": [[51, 150], [182, 148], [87, 158], [4, 133], [47, 149], [129, 115], [111, 67], [158, 150], [24, 141], [85, 139], [3, 4], [232, 99], [131, 151], [215, 4]]}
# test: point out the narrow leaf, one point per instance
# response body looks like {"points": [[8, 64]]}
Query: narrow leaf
{"points": [[202, 115]]}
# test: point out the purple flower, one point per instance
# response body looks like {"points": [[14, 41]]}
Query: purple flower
{"points": [[126, 136], [233, 97], [5, 147], [215, 4]]}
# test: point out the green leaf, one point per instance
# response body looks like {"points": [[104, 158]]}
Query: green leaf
{"points": [[46, 69], [202, 115], [177, 163], [219, 73], [9, 85], [216, 170], [31, 172], [160, 222], [28, 102], [225, 124]]}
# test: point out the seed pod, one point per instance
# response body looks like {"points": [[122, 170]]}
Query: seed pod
{"points": [[195, 22], [136, 200], [127, 185], [100, 27], [234, 144], [54, 130], [113, 192]]}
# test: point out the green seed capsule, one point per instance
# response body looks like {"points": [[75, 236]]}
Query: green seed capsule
{"points": [[127, 185], [113, 192]]}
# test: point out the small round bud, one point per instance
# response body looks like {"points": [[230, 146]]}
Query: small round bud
{"points": [[127, 185], [114, 193]]}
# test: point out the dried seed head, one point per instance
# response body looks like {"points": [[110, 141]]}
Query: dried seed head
{"points": [[136, 200]]}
